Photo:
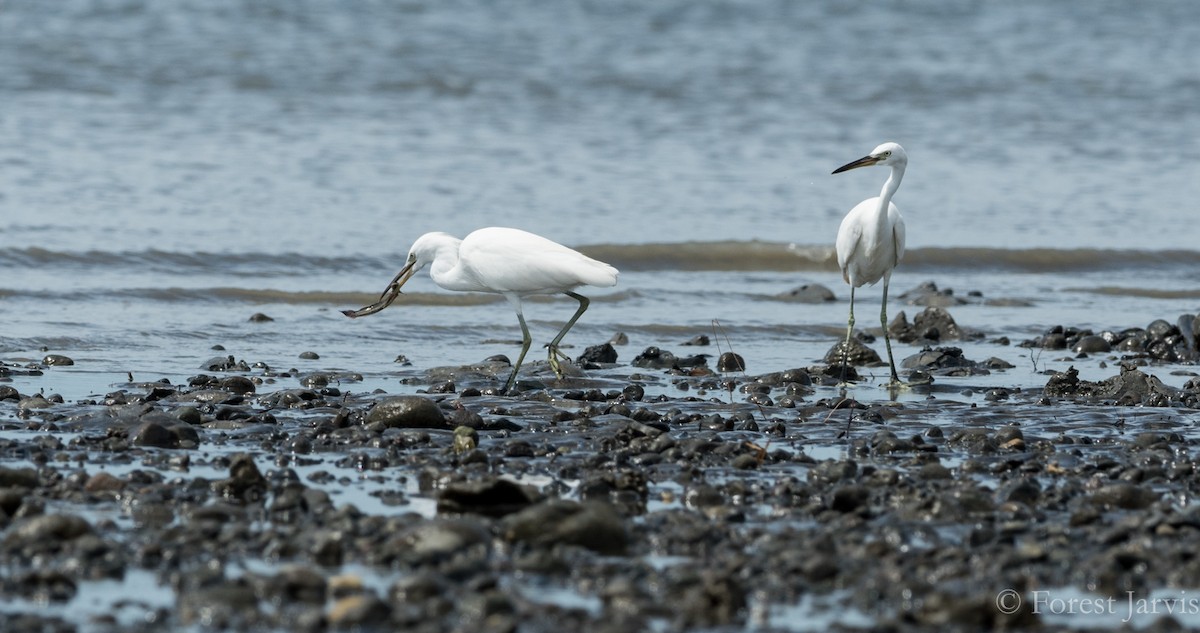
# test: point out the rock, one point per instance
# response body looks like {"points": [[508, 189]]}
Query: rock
{"points": [[224, 363], [808, 293], [943, 361], [407, 412], [161, 430], [493, 497], [849, 498], [927, 294], [245, 482], [236, 384], [936, 320], [18, 477], [593, 525], [716, 601], [359, 612], [218, 605], [858, 353], [1124, 495], [1131, 387], [729, 362], [57, 360], [655, 358], [259, 317], [601, 354], [309, 356], [1091, 344], [36, 401], [439, 539], [103, 482], [47, 530]]}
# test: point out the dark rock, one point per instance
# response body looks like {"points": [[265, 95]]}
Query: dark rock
{"points": [[1130, 388], [18, 477], [36, 401], [808, 293], [729, 362], [601, 354], [655, 358], [236, 384], [57, 360], [849, 498], [245, 482], [225, 363], [47, 530], [856, 354], [1124, 495], [927, 294], [491, 497], [715, 601], [162, 430], [595, 526], [407, 412], [1091, 344]]}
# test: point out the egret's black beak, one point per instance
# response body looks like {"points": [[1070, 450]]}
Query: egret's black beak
{"points": [[865, 161]]}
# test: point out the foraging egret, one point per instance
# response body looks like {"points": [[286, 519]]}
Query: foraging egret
{"points": [[870, 241], [504, 261]]}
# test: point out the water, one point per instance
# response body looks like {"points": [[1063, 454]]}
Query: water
{"points": [[169, 169]]}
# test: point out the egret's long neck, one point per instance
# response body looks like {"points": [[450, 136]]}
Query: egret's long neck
{"points": [[890, 187]]}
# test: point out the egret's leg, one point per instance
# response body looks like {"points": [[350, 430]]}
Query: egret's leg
{"points": [[849, 332], [526, 341], [887, 340], [554, 353]]}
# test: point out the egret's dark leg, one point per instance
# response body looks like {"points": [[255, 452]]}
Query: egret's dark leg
{"points": [[849, 331], [887, 340], [526, 340], [553, 346]]}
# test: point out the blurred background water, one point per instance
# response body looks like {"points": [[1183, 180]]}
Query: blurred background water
{"points": [[169, 169]]}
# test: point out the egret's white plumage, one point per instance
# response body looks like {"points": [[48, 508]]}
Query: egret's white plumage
{"points": [[870, 241], [509, 262]]}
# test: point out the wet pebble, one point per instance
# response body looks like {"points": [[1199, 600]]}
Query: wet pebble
{"points": [[57, 360], [595, 526], [407, 412]]}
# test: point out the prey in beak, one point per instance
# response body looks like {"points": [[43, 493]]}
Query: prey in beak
{"points": [[389, 294]]}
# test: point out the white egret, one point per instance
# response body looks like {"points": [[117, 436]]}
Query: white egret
{"points": [[870, 241], [505, 261]]}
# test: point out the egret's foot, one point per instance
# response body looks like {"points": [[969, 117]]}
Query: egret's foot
{"points": [[553, 356]]}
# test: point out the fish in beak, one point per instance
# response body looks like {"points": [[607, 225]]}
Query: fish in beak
{"points": [[389, 294]]}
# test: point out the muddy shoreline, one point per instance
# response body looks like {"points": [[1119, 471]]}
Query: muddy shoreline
{"points": [[658, 494]]}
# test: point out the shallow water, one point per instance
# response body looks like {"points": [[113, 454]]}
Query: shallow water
{"points": [[155, 197]]}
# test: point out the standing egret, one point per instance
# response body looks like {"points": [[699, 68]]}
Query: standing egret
{"points": [[504, 261], [870, 241]]}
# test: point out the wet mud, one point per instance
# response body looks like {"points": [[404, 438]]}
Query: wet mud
{"points": [[653, 494]]}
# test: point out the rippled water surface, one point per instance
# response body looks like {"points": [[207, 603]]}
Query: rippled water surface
{"points": [[169, 169]]}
